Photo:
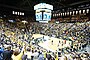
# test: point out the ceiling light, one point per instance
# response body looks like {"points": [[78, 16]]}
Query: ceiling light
{"points": [[61, 14], [83, 11], [13, 12], [79, 11], [76, 12], [53, 15], [70, 12], [87, 10], [57, 14], [67, 13], [18, 13], [73, 12]]}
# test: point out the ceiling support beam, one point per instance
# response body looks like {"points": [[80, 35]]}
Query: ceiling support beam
{"points": [[80, 2], [23, 3], [13, 7], [73, 4]]}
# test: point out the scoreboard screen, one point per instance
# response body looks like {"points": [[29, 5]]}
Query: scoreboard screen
{"points": [[47, 16], [39, 16]]}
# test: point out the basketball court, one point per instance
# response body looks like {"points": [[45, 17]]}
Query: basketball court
{"points": [[52, 46]]}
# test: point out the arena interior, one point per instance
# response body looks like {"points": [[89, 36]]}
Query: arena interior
{"points": [[65, 35]]}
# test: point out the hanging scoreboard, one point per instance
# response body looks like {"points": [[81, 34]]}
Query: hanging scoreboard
{"points": [[43, 12]]}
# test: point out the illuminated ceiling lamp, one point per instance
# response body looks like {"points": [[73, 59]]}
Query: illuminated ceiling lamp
{"points": [[13, 12], [73, 12], [83, 11], [53, 15], [20, 13], [61, 14], [87, 10], [70, 13], [16, 13], [76, 12], [57, 15], [79, 11], [65, 13]]}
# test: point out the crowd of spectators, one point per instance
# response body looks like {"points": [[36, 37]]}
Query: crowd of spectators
{"points": [[15, 42]]}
